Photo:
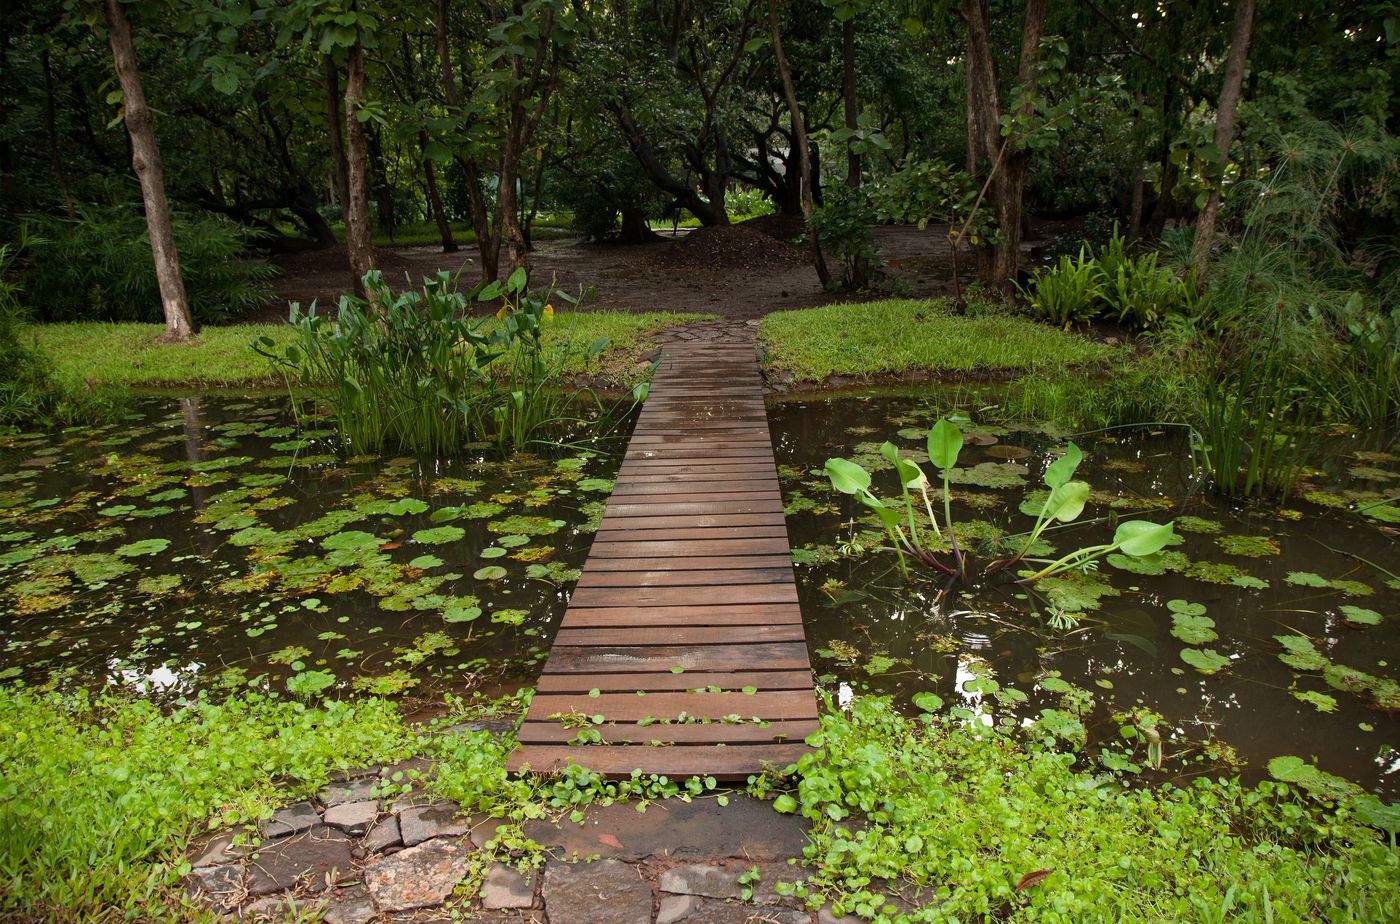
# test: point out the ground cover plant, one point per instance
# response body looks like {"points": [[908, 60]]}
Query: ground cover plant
{"points": [[895, 337]]}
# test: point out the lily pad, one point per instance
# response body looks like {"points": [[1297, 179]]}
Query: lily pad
{"points": [[1205, 660], [1248, 546], [1194, 630], [143, 547], [489, 573], [439, 535], [1360, 616]]}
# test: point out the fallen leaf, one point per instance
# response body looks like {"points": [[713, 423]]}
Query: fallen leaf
{"points": [[609, 840], [1033, 878]]}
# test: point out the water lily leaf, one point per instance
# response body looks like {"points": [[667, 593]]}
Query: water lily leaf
{"points": [[512, 542], [1205, 660], [1186, 607], [1059, 472], [1307, 579], [601, 485], [928, 702], [846, 476], [526, 526], [354, 540], [439, 535], [489, 573], [310, 683], [424, 562], [143, 547], [1248, 546], [493, 552], [1295, 770], [1360, 616], [1194, 630], [1319, 701], [945, 442], [1300, 653], [461, 613]]}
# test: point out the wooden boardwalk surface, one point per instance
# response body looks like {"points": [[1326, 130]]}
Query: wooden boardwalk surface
{"points": [[683, 632]]}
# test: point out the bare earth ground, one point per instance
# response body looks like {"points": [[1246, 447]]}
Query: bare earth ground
{"points": [[740, 272]]}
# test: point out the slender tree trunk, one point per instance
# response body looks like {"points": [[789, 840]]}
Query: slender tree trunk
{"points": [[145, 160], [799, 132], [335, 118], [358, 246], [1224, 131], [848, 96], [1006, 188], [476, 198], [435, 199]]}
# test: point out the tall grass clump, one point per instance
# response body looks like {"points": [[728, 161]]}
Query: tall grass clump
{"points": [[98, 267], [416, 372]]}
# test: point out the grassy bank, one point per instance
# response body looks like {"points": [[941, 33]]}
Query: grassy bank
{"points": [[101, 795], [899, 336], [125, 355]]}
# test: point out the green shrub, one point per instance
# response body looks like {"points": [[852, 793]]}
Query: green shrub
{"points": [[842, 226], [1067, 293], [98, 267]]}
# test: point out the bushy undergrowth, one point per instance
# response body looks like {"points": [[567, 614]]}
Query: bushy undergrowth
{"points": [[99, 793], [98, 267], [995, 824]]}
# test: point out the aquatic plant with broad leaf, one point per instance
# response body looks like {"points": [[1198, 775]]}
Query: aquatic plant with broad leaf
{"points": [[1063, 504], [414, 370]]}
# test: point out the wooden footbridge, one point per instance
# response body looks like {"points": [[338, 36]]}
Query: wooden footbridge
{"points": [[683, 634]]}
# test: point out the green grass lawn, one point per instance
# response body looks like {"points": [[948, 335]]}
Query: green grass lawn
{"points": [[902, 335], [125, 355], [424, 234]]}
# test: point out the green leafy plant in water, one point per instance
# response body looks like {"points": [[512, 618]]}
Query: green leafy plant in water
{"points": [[1063, 503]]}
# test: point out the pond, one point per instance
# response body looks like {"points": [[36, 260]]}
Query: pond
{"points": [[1264, 632], [213, 542]]}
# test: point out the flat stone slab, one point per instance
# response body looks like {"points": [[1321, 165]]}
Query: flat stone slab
{"points": [[354, 818], [294, 819], [745, 829], [310, 857], [383, 835], [215, 885], [349, 906], [507, 887], [602, 892], [424, 822], [695, 909], [360, 789], [418, 877]]}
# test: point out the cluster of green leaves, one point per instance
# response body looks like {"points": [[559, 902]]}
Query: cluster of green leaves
{"points": [[1064, 502], [101, 792], [979, 820], [842, 228], [1110, 281], [416, 371]]}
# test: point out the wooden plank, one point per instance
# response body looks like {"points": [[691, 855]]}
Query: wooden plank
{"points": [[685, 578], [693, 521], [691, 563], [630, 683], [749, 614], [735, 762], [629, 707], [776, 656], [677, 635], [666, 507], [680, 596], [786, 730], [730, 493], [714, 538]]}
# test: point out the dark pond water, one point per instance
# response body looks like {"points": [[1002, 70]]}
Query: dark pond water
{"points": [[213, 542], [1315, 573]]}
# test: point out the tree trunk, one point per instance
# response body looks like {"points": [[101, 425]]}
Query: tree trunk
{"points": [[1007, 168], [145, 160], [635, 229], [799, 132], [357, 237], [1135, 206], [476, 198], [1224, 131], [848, 96], [335, 118], [51, 132], [434, 199]]}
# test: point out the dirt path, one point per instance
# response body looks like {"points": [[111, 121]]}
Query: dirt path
{"points": [[739, 272]]}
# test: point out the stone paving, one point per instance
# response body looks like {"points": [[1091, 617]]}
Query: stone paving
{"points": [[358, 856]]}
